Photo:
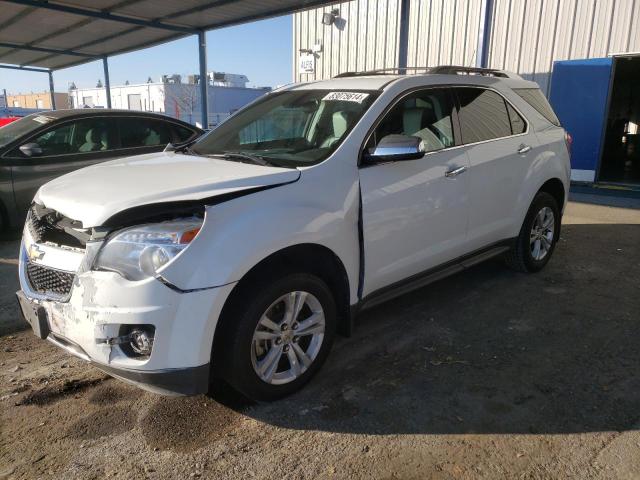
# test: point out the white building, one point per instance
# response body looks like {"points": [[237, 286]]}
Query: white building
{"points": [[227, 93], [521, 36]]}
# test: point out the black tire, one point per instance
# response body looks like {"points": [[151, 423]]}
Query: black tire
{"points": [[234, 362], [520, 257]]}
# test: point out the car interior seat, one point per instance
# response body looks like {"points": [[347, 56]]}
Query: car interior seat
{"points": [[418, 121], [93, 141], [152, 137], [339, 123]]}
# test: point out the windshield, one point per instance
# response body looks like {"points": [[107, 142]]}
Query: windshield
{"points": [[289, 129], [17, 129]]}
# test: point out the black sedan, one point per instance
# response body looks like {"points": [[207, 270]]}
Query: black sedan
{"points": [[45, 145]]}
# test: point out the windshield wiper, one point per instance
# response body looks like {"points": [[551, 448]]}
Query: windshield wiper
{"points": [[258, 160]]}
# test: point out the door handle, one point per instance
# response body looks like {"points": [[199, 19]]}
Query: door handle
{"points": [[522, 149], [455, 172]]}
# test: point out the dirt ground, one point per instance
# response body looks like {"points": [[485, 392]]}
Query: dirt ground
{"points": [[487, 374]]}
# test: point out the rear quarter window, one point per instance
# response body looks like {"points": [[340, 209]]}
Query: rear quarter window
{"points": [[182, 134], [535, 98]]}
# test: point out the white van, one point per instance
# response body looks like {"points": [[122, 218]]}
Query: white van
{"points": [[241, 255]]}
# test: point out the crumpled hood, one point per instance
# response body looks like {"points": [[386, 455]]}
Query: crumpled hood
{"points": [[93, 194]]}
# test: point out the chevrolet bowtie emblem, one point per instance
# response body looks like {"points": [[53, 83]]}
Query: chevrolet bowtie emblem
{"points": [[34, 252]]}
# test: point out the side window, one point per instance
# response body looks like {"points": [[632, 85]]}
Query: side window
{"points": [[95, 135], [483, 115], [425, 114], [181, 134], [143, 132], [518, 124], [56, 141], [535, 98], [82, 136]]}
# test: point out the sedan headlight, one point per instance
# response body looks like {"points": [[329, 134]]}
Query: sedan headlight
{"points": [[140, 252]]}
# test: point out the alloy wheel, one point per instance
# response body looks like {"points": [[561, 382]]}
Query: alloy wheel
{"points": [[288, 338], [542, 231]]}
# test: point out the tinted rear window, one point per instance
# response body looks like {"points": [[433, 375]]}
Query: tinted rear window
{"points": [[483, 115], [535, 98]]}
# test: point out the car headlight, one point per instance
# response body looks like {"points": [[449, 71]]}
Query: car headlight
{"points": [[140, 252]]}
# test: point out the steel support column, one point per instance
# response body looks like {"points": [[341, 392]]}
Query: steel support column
{"points": [[51, 91], [484, 34], [403, 45], [107, 83], [204, 94]]}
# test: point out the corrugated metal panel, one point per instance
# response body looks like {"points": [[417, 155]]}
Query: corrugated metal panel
{"points": [[364, 37], [529, 35], [443, 32]]}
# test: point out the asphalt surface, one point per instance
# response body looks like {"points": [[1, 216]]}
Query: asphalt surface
{"points": [[486, 374]]}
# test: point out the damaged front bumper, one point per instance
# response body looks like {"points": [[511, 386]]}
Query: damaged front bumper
{"points": [[102, 305]]}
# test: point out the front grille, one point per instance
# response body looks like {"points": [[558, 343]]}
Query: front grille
{"points": [[46, 225], [47, 280]]}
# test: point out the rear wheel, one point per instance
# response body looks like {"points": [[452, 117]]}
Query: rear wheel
{"points": [[538, 236], [280, 336]]}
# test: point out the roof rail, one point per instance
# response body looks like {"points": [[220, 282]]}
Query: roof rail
{"points": [[458, 70], [384, 71], [440, 70]]}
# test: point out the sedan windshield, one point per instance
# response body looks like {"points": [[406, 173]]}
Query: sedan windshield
{"points": [[17, 129], [290, 129]]}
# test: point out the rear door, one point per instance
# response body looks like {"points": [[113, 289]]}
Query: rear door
{"points": [[500, 149], [65, 147], [414, 215]]}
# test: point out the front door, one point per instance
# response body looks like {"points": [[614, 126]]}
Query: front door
{"points": [[414, 216]]}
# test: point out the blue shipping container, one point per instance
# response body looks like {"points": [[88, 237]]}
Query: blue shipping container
{"points": [[579, 96]]}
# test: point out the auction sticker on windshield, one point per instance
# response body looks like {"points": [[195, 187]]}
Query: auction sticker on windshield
{"points": [[42, 119], [346, 97]]}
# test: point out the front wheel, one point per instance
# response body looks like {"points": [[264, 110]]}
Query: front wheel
{"points": [[280, 337], [538, 236]]}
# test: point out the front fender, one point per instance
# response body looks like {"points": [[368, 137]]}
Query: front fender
{"points": [[238, 234]]}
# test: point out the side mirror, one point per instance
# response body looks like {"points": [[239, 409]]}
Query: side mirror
{"points": [[31, 149], [393, 148]]}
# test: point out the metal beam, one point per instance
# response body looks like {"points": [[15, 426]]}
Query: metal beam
{"points": [[45, 50], [403, 44], [107, 83], [27, 69], [102, 15], [484, 34], [204, 83], [51, 91], [306, 5], [18, 16]]}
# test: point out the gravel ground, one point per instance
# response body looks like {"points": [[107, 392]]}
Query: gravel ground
{"points": [[487, 374]]}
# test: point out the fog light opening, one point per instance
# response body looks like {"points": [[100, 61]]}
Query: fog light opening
{"points": [[141, 342], [138, 340]]}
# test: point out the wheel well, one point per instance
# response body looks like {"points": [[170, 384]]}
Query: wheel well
{"points": [[555, 188], [308, 258]]}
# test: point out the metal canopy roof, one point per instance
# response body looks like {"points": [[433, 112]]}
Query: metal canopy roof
{"points": [[53, 35]]}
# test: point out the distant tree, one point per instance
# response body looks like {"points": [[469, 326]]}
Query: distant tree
{"points": [[181, 100]]}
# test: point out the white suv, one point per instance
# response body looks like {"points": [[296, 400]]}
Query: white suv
{"points": [[241, 255]]}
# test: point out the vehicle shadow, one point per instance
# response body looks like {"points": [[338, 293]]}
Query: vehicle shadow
{"points": [[490, 351]]}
